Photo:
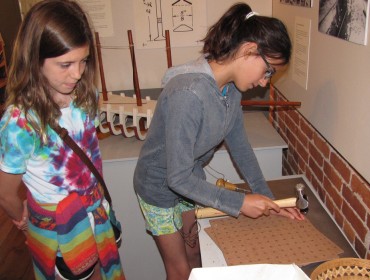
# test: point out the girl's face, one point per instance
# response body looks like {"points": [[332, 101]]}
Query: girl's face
{"points": [[63, 72], [253, 69]]}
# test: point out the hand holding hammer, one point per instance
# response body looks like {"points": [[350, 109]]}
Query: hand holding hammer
{"points": [[300, 201]]}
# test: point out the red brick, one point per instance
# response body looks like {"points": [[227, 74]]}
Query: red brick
{"points": [[291, 136], [293, 163], [306, 128], [316, 184], [353, 219], [354, 203], [338, 216], [285, 138], [341, 166], [349, 232], [302, 138], [302, 151], [316, 155], [360, 187], [332, 176], [360, 248], [302, 167], [294, 116], [291, 125], [316, 170], [333, 193], [321, 145], [320, 189]]}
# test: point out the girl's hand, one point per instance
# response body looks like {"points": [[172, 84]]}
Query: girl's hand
{"points": [[291, 213], [23, 223], [256, 205]]}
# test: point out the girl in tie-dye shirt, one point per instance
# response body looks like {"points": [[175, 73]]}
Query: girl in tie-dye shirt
{"points": [[51, 82]]}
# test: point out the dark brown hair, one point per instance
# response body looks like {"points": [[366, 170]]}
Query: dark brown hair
{"points": [[233, 29]]}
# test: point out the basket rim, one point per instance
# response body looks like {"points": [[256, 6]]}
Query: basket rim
{"points": [[340, 262]]}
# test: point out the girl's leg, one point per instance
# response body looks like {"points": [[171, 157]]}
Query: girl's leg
{"points": [[173, 252], [190, 228], [180, 251]]}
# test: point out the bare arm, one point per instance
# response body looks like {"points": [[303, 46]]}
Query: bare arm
{"points": [[9, 199]]}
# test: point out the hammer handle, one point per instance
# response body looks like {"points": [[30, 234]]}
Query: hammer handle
{"points": [[286, 202], [209, 212]]}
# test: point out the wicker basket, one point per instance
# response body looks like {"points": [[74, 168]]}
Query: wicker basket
{"points": [[343, 269]]}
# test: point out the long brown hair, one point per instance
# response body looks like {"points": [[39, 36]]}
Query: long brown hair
{"points": [[51, 28]]}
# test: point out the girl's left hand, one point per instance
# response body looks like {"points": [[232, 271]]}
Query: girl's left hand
{"points": [[292, 213], [23, 223]]}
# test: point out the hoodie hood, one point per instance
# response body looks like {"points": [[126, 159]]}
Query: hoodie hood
{"points": [[199, 65]]}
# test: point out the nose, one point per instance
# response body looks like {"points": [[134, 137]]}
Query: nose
{"points": [[76, 71], [263, 82]]}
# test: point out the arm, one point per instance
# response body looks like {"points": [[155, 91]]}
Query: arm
{"points": [[183, 121], [245, 158], [254, 205], [9, 199]]}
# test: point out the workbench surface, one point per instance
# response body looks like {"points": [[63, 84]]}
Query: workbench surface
{"points": [[318, 216]]}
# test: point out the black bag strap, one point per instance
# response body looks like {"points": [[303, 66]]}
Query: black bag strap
{"points": [[63, 133]]}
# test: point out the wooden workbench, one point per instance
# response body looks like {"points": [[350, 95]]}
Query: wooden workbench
{"points": [[318, 215]]}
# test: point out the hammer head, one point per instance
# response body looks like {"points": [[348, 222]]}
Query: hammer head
{"points": [[302, 201]]}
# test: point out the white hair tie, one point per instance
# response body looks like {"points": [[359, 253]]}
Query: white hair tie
{"points": [[251, 14]]}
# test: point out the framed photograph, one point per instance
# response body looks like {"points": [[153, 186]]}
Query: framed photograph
{"points": [[301, 3], [345, 19]]}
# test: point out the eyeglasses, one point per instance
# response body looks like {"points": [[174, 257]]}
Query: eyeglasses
{"points": [[270, 70]]}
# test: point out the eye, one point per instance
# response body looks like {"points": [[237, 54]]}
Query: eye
{"points": [[65, 65]]}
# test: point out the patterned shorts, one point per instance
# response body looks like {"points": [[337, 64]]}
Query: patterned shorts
{"points": [[160, 221]]}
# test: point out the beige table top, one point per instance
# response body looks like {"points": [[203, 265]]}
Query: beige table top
{"points": [[260, 133]]}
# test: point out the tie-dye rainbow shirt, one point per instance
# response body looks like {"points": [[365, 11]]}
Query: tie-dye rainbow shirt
{"points": [[52, 170]]}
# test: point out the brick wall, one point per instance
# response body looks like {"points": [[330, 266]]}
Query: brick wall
{"points": [[342, 189]]}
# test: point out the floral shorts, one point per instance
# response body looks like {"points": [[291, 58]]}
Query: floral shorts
{"points": [[160, 221]]}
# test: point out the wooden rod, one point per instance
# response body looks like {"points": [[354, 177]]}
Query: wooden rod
{"points": [[135, 76], [270, 103], [209, 212], [101, 69], [271, 108], [168, 49]]}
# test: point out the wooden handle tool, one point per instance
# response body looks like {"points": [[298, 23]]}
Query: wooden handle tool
{"points": [[209, 212]]}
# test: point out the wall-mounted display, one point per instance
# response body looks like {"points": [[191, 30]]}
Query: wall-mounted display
{"points": [[302, 3], [186, 21], [345, 19]]}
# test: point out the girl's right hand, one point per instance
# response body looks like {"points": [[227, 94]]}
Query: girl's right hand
{"points": [[256, 205]]}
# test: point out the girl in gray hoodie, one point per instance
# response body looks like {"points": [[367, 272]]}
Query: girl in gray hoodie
{"points": [[198, 109]]}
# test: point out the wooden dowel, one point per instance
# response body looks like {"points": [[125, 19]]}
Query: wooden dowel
{"points": [[168, 49], [101, 69], [135, 76], [270, 103], [208, 212]]}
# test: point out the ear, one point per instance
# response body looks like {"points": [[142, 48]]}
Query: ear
{"points": [[248, 48]]}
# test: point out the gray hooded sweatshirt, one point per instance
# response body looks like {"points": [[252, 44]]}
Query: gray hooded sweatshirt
{"points": [[192, 118]]}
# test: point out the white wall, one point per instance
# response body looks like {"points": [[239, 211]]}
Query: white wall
{"points": [[151, 64], [338, 96]]}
